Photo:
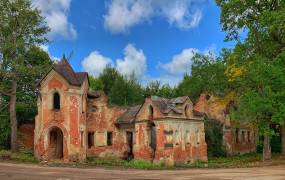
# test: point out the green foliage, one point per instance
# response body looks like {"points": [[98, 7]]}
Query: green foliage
{"points": [[155, 88], [214, 138], [4, 129], [22, 29], [275, 144], [39, 64], [207, 76], [138, 164], [126, 91], [259, 54], [108, 78], [96, 84], [26, 157]]}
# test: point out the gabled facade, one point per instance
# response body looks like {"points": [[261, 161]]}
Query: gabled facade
{"points": [[169, 131], [60, 126]]}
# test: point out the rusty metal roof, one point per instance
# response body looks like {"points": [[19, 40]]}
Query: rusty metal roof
{"points": [[64, 68], [166, 105], [129, 116], [161, 104]]}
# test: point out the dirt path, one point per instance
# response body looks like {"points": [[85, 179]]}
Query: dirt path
{"points": [[33, 172]]}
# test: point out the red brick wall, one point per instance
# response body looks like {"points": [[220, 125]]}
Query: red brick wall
{"points": [[26, 139], [101, 118]]}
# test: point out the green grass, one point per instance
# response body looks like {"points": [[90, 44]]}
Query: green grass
{"points": [[247, 160], [26, 156], [113, 162]]}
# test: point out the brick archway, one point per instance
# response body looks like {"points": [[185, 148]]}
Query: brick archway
{"points": [[61, 138], [55, 143]]}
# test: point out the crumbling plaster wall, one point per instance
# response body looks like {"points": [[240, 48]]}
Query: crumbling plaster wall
{"points": [[180, 138], [101, 119]]}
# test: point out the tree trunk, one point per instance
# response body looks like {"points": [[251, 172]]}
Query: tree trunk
{"points": [[266, 148], [13, 118], [283, 139]]}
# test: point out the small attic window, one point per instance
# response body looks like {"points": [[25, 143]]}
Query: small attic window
{"points": [[56, 101]]}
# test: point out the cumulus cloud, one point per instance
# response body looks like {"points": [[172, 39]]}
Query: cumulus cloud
{"points": [[134, 61], [95, 63], [56, 16], [46, 49], [124, 14], [180, 63]]}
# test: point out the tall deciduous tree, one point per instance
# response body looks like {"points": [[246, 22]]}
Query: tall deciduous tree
{"points": [[21, 28], [259, 56]]}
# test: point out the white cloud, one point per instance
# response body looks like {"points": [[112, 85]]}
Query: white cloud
{"points": [[95, 63], [46, 49], [180, 63], [124, 14], [56, 14], [133, 62]]}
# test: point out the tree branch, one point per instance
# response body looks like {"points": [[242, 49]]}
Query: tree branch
{"points": [[4, 93]]}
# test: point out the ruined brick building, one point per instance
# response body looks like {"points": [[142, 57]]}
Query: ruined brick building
{"points": [[237, 138], [73, 123]]}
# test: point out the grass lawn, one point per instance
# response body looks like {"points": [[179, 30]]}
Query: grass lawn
{"points": [[247, 160]]}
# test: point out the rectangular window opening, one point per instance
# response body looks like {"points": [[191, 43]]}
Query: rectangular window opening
{"points": [[109, 138], [90, 139]]}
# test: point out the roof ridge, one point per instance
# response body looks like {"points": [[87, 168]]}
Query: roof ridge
{"points": [[70, 67]]}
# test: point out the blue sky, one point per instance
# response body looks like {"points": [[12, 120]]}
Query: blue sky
{"points": [[155, 39]]}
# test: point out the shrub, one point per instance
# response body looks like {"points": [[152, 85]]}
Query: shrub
{"points": [[214, 138], [26, 156]]}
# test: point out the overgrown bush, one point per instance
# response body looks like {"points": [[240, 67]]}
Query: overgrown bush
{"points": [[275, 144], [214, 138]]}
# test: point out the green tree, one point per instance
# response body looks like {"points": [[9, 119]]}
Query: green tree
{"points": [[156, 88], [21, 28], [207, 75], [258, 29], [108, 78], [96, 84], [126, 91]]}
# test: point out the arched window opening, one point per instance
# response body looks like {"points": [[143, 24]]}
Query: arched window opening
{"points": [[150, 112], [56, 101], [186, 111]]}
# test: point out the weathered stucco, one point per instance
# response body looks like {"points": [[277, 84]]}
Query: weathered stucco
{"points": [[101, 119]]}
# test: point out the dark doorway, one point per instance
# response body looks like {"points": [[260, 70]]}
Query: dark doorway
{"points": [[55, 143], [153, 139], [130, 145], [90, 139]]}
